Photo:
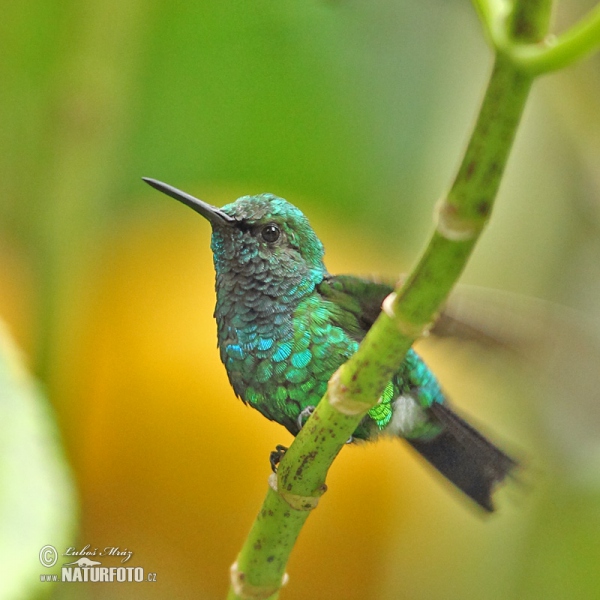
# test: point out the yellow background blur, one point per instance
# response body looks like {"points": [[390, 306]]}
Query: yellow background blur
{"points": [[357, 113]]}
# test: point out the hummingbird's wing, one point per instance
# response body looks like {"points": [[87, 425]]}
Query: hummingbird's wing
{"points": [[460, 317], [360, 297], [462, 454]]}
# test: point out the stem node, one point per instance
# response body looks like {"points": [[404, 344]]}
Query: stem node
{"points": [[341, 399], [247, 591], [454, 227], [407, 329], [296, 501]]}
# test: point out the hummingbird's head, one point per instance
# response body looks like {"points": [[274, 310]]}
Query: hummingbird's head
{"points": [[262, 237]]}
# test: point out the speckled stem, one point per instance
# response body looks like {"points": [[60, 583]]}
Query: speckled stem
{"points": [[462, 216]]}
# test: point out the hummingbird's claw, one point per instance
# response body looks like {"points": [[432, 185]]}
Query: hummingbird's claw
{"points": [[276, 456], [303, 416]]}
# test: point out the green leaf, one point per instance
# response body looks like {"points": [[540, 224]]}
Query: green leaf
{"points": [[37, 497]]}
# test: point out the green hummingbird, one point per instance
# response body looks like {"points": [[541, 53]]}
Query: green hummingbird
{"points": [[285, 325]]}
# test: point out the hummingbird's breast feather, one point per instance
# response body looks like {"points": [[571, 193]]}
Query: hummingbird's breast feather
{"points": [[279, 357], [280, 360]]}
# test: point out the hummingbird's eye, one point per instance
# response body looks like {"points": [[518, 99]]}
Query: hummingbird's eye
{"points": [[270, 233]]}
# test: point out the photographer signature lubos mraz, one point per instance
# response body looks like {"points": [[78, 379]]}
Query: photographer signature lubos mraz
{"points": [[107, 551]]}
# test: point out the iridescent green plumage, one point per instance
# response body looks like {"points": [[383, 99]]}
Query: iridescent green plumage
{"points": [[285, 325]]}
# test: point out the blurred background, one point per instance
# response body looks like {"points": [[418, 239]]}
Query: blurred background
{"points": [[357, 112]]}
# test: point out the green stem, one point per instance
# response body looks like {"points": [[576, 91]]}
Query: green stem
{"points": [[529, 20], [492, 14], [260, 566], [583, 38], [92, 103], [268, 546]]}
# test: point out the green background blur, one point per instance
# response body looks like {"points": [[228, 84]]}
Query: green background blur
{"points": [[357, 112]]}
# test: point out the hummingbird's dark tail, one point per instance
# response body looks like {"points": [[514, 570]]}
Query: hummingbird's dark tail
{"points": [[460, 453]]}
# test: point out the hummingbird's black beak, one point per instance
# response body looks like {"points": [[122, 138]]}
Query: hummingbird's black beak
{"points": [[215, 215]]}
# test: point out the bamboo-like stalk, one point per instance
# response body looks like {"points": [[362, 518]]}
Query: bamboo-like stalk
{"points": [[581, 39], [259, 570]]}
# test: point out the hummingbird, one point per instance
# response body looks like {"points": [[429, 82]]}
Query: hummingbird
{"points": [[285, 325]]}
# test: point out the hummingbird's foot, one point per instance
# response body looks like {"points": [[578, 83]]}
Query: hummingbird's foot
{"points": [[276, 456], [303, 416], [350, 440]]}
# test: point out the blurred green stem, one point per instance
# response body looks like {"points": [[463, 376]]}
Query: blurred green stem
{"points": [[556, 53], [517, 35], [89, 120], [492, 14], [260, 567]]}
